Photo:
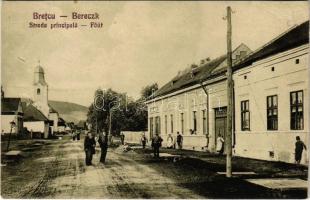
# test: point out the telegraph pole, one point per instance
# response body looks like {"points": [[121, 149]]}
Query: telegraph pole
{"points": [[229, 97]]}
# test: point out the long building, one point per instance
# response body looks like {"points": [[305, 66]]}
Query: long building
{"points": [[270, 100]]}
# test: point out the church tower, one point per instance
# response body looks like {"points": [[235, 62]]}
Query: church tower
{"points": [[40, 87]]}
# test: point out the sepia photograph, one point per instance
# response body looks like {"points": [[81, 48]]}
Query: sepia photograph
{"points": [[154, 99]]}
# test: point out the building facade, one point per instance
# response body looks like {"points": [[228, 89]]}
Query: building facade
{"points": [[198, 111], [11, 111], [270, 100]]}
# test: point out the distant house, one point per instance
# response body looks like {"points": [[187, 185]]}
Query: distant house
{"points": [[81, 125], [53, 116], [36, 122], [61, 125], [11, 111]]}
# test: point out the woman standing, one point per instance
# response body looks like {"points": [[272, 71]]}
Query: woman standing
{"points": [[170, 142]]}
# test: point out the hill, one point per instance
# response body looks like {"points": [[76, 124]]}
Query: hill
{"points": [[70, 112]]}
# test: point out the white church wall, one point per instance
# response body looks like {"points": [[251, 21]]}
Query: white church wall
{"points": [[36, 126]]}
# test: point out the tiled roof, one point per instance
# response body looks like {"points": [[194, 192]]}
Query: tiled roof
{"points": [[294, 37], [198, 74], [61, 122], [31, 113], [52, 110], [9, 105]]}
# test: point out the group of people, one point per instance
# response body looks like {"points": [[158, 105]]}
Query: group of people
{"points": [[76, 135], [171, 143], [90, 144], [156, 142]]}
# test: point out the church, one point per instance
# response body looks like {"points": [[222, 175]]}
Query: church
{"points": [[38, 116], [40, 102]]}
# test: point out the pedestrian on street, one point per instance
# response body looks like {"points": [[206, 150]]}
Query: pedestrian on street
{"points": [[299, 147], [73, 135], [156, 144], [89, 148], [179, 140], [143, 140], [103, 142], [122, 138], [220, 144], [78, 135], [169, 142]]}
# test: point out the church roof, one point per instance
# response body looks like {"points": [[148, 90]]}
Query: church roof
{"points": [[39, 69], [31, 113]]}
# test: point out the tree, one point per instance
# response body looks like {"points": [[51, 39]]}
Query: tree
{"points": [[149, 90], [126, 113]]}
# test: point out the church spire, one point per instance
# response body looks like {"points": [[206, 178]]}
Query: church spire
{"points": [[39, 75]]}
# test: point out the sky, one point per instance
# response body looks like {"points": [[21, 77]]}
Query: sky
{"points": [[140, 43]]}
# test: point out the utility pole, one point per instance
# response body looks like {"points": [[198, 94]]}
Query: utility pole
{"points": [[229, 97]]}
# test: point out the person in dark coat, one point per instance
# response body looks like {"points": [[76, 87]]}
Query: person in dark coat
{"points": [[78, 135], [179, 140], [156, 144], [122, 136], [299, 147], [103, 142], [89, 148], [143, 140]]}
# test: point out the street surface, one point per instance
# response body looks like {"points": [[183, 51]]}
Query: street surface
{"points": [[66, 176], [56, 169]]}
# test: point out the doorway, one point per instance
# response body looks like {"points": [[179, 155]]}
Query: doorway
{"points": [[220, 122]]}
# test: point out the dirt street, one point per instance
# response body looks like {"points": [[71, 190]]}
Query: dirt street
{"points": [[56, 169], [63, 174]]}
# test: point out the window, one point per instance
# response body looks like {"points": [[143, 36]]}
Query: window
{"points": [[297, 61], [245, 116], [272, 112], [171, 123], [182, 123], [297, 118], [204, 122], [166, 128], [194, 122], [38, 91], [157, 125]]}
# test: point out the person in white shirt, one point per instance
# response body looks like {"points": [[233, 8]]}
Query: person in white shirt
{"points": [[220, 144]]}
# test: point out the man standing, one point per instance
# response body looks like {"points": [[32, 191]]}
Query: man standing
{"points": [[299, 147], [89, 148], [156, 144], [103, 142], [179, 140], [122, 138], [143, 140]]}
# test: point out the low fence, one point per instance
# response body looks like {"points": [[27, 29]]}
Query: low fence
{"points": [[134, 136]]}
